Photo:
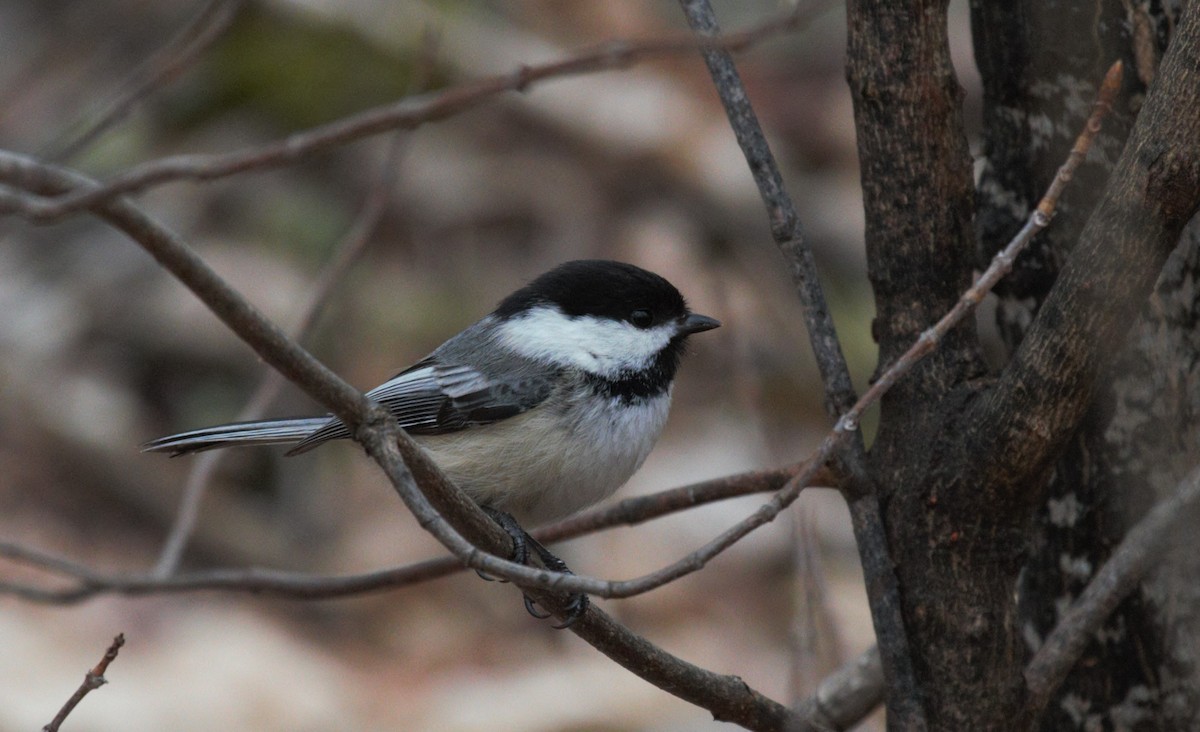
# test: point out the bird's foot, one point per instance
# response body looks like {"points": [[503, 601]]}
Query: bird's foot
{"points": [[577, 604]]}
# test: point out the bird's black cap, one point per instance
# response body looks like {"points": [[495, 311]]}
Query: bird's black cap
{"points": [[600, 288]]}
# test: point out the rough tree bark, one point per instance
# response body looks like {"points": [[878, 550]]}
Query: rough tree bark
{"points": [[965, 460], [1038, 61]]}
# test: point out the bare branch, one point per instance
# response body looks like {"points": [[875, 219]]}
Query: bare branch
{"points": [[346, 253], [1121, 574], [408, 113], [639, 509], [92, 680], [847, 695], [180, 52], [298, 585], [786, 227], [849, 454], [406, 465]]}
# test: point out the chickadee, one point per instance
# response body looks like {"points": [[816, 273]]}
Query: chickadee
{"points": [[545, 406]]}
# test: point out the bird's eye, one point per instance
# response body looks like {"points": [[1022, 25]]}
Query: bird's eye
{"points": [[641, 318]]}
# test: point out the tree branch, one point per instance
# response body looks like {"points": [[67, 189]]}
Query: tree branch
{"points": [[1133, 559], [408, 113], [297, 585], [92, 680], [786, 227], [849, 453], [346, 253], [170, 61], [727, 697]]}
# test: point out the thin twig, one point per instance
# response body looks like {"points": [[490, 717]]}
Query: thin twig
{"points": [[180, 52], [92, 680], [408, 113], [346, 253], [849, 454], [1121, 574], [298, 585], [786, 227]]}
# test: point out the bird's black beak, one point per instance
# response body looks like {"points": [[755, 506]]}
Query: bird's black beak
{"points": [[693, 323]]}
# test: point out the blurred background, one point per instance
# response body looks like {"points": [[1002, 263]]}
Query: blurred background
{"points": [[102, 350]]}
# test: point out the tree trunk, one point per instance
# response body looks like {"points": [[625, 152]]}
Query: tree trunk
{"points": [[1001, 495], [1039, 61]]}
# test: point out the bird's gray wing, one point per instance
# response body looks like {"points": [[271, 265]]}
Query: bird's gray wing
{"points": [[435, 396]]}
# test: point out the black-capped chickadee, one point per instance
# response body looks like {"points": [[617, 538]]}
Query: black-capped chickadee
{"points": [[545, 406]]}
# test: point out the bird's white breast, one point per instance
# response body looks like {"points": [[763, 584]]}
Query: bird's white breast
{"points": [[554, 460]]}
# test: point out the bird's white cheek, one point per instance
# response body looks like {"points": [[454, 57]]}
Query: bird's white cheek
{"points": [[597, 345]]}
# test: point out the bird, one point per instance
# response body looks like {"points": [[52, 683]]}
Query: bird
{"points": [[543, 407]]}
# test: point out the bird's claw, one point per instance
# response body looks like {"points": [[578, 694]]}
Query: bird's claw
{"points": [[577, 604], [532, 608]]}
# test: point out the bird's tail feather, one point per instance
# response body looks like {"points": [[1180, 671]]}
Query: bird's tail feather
{"points": [[268, 432]]}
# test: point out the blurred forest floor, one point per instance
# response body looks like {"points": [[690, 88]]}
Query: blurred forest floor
{"points": [[101, 351]]}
